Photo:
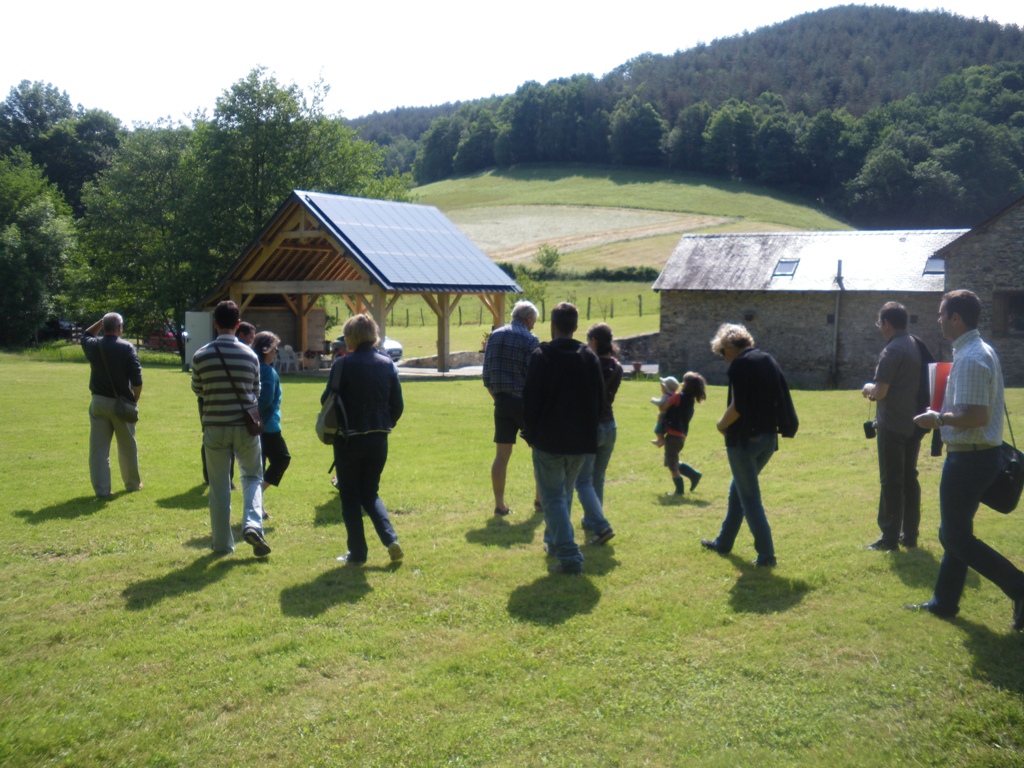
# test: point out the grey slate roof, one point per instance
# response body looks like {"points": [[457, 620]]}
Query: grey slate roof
{"points": [[407, 247], [872, 261]]}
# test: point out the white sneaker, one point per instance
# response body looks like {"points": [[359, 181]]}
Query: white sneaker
{"points": [[395, 550]]}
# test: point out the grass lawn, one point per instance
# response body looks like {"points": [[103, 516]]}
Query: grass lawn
{"points": [[126, 643]]}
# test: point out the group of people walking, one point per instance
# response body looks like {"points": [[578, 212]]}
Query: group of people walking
{"points": [[558, 396]]}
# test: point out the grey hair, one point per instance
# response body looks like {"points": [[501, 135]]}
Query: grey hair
{"points": [[524, 311], [731, 335], [111, 322]]}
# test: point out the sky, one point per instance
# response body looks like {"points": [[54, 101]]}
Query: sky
{"points": [[142, 64]]}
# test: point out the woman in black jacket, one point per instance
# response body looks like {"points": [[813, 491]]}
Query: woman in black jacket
{"points": [[367, 382]]}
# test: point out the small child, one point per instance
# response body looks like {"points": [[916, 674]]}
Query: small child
{"points": [[669, 386], [676, 413]]}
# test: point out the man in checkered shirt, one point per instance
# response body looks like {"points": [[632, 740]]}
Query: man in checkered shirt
{"points": [[971, 421], [506, 358]]}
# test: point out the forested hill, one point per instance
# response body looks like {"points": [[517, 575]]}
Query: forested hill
{"points": [[884, 118], [852, 57]]}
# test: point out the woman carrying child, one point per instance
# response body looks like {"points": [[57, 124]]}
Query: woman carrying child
{"points": [[676, 409]]}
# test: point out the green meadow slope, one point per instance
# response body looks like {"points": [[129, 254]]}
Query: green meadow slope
{"points": [[607, 217]]}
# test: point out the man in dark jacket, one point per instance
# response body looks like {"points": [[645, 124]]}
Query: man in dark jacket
{"points": [[759, 410], [116, 374], [562, 403]]}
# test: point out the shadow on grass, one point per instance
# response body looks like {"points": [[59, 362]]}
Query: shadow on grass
{"points": [[599, 560], [328, 513], [915, 567], [996, 656], [671, 500], [553, 599], [499, 532], [344, 584], [201, 573], [206, 541], [67, 510], [762, 590], [194, 498]]}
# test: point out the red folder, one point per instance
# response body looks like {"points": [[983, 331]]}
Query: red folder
{"points": [[938, 375]]}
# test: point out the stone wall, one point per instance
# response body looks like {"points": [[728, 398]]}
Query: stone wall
{"points": [[798, 329], [642, 348], [990, 262]]}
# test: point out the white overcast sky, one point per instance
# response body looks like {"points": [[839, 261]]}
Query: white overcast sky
{"points": [[171, 58]]}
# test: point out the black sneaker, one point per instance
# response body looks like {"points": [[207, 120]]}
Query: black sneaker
{"points": [[260, 548], [883, 546], [602, 538], [931, 608]]}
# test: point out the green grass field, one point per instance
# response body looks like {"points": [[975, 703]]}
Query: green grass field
{"points": [[622, 188], [596, 216], [125, 643]]}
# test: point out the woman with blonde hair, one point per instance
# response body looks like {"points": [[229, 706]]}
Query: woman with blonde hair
{"points": [[366, 381]]}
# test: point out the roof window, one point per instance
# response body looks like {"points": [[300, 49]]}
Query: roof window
{"points": [[785, 268], [936, 265]]}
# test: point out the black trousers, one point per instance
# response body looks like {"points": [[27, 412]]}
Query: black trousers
{"points": [[275, 457]]}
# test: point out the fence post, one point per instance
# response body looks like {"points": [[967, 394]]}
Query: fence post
{"points": [[588, 307], [640, 300], [543, 312], [613, 309]]}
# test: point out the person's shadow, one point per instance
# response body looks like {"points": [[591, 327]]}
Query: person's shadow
{"points": [[671, 500], [762, 590], [345, 584], [996, 656], [499, 532], [67, 510], [916, 568], [194, 498], [328, 513], [553, 599], [202, 572]]}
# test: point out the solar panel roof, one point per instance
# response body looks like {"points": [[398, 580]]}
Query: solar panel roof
{"points": [[407, 246]]}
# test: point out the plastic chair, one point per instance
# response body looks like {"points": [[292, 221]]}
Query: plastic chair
{"points": [[286, 358]]}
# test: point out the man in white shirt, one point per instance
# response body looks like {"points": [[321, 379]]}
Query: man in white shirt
{"points": [[971, 420]]}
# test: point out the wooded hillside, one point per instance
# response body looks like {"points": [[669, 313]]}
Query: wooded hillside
{"points": [[885, 117]]}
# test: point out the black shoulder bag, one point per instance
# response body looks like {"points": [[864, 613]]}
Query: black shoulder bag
{"points": [[1003, 494]]}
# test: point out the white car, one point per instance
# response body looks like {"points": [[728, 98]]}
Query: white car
{"points": [[390, 347]]}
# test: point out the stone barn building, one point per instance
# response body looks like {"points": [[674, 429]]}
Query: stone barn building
{"points": [[989, 260], [809, 298]]}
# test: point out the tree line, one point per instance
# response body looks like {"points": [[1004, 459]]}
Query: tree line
{"points": [[95, 217], [945, 158]]}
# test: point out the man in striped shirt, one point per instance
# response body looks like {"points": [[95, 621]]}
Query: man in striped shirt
{"points": [[971, 420], [226, 376]]}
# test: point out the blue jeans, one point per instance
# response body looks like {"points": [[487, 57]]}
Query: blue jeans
{"points": [[965, 476], [746, 463], [220, 443], [360, 461], [555, 474], [590, 481]]}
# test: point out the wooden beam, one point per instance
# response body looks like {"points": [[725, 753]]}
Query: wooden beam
{"points": [[330, 287]]}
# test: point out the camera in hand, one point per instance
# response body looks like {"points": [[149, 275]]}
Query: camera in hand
{"points": [[869, 430]]}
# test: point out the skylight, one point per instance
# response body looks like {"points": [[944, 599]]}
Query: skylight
{"points": [[785, 268], [935, 265]]}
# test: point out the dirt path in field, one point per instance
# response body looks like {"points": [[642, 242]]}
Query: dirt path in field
{"points": [[514, 233]]}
